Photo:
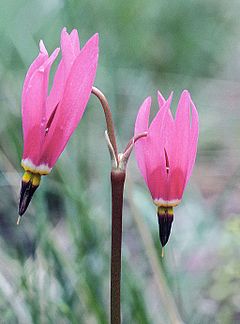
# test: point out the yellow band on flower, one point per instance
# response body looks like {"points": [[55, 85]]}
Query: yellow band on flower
{"points": [[35, 178], [27, 176], [168, 211]]}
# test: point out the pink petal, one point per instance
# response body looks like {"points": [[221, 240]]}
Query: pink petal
{"points": [[70, 50], [68, 53], [42, 48], [178, 142], [150, 150], [47, 64], [166, 156], [161, 100], [183, 109], [75, 41], [41, 58], [56, 92], [194, 132], [176, 185], [141, 126], [33, 109], [158, 124], [155, 156], [142, 120], [76, 95], [157, 179]]}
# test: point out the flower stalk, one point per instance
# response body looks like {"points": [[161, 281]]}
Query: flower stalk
{"points": [[117, 182], [117, 186], [118, 176], [108, 117]]}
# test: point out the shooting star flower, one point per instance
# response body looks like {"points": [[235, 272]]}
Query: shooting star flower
{"points": [[49, 120], [166, 156]]}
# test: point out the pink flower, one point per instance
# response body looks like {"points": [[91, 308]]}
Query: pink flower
{"points": [[49, 120], [166, 156]]}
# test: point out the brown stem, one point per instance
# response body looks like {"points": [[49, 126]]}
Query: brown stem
{"points": [[118, 173], [134, 139], [117, 181], [108, 116]]}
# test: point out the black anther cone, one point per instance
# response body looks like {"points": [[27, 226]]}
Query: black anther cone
{"points": [[27, 191], [165, 224]]}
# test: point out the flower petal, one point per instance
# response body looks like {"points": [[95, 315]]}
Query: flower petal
{"points": [[155, 155], [41, 58], [161, 100], [156, 174], [75, 41], [141, 126], [167, 154], [56, 92], [142, 120], [158, 124], [179, 139], [70, 50], [194, 133], [42, 48], [33, 109], [75, 98]]}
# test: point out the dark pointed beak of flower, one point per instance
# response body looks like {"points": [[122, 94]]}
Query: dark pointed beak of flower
{"points": [[165, 219], [30, 182]]}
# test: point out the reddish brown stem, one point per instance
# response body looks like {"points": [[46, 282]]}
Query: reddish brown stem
{"points": [[108, 117], [117, 181], [134, 140], [118, 173]]}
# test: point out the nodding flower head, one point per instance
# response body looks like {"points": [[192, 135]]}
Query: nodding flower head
{"points": [[49, 120], [166, 156]]}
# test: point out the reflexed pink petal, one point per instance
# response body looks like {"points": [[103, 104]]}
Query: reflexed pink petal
{"points": [[142, 120], [70, 50], [193, 140], [157, 125], [56, 92], [183, 110], [150, 150], [141, 126], [161, 99], [42, 48], [33, 109], [76, 95], [41, 58], [168, 124], [47, 64], [179, 138], [150, 156], [75, 41]]}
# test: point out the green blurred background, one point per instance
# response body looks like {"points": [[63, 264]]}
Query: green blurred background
{"points": [[54, 267]]}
